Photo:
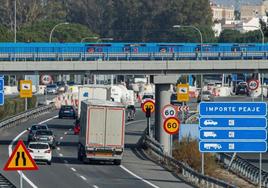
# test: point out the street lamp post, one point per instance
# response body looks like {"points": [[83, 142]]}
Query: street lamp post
{"points": [[263, 41], [15, 21], [201, 82], [199, 32], [93, 37], [50, 36]]}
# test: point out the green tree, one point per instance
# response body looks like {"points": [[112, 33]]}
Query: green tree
{"points": [[40, 31]]}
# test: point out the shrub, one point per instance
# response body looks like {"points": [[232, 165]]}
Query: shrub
{"points": [[187, 151]]}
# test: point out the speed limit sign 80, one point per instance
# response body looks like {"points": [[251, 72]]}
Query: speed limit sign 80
{"points": [[169, 111], [172, 125]]}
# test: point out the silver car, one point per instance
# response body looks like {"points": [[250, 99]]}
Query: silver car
{"points": [[46, 136], [206, 96]]}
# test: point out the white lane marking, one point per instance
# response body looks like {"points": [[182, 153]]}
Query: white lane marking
{"points": [[65, 133], [60, 155], [138, 177], [73, 169], [95, 186], [47, 120], [83, 178], [58, 148], [66, 162], [61, 138]]}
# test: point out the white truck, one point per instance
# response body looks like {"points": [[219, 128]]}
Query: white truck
{"points": [[98, 92], [102, 131]]}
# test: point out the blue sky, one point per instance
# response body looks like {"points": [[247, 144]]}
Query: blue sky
{"points": [[232, 2]]}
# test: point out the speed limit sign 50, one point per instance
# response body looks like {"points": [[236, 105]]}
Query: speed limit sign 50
{"points": [[172, 125], [169, 111]]}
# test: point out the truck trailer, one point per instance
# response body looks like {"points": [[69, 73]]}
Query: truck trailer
{"points": [[102, 131]]}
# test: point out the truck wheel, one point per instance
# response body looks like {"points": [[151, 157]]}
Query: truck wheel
{"points": [[49, 162], [117, 162], [79, 156]]}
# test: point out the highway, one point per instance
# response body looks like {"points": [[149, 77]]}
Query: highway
{"points": [[67, 171]]}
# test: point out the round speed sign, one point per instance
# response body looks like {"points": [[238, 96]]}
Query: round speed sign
{"points": [[253, 84], [169, 111], [148, 104], [172, 125]]}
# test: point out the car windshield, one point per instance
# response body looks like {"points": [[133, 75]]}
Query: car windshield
{"points": [[38, 127], [44, 133], [51, 86], [38, 146], [148, 97], [67, 107], [206, 92]]}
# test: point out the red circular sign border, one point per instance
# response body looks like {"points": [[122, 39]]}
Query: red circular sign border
{"points": [[254, 81], [175, 107], [178, 121], [149, 100]]}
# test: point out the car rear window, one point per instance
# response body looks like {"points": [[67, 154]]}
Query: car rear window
{"points": [[38, 146], [67, 107], [44, 133]]}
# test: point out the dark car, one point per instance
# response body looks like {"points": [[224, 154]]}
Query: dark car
{"points": [[77, 127], [67, 111], [242, 89], [46, 136], [32, 130]]}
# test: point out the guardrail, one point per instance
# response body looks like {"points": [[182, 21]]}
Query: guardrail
{"points": [[14, 120], [244, 169], [188, 173], [10, 121]]}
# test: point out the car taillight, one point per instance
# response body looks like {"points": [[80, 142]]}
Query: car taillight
{"points": [[48, 151], [31, 151]]}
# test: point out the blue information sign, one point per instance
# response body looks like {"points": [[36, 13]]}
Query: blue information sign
{"points": [[233, 122], [232, 108], [233, 134], [247, 147], [2, 98], [1, 84], [233, 127]]}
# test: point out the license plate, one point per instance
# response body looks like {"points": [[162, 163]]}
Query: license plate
{"points": [[66, 111], [43, 138], [38, 157]]}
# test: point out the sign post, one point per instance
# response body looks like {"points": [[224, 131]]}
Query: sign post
{"points": [[171, 126], [148, 107], [2, 100], [20, 159], [183, 95], [222, 127], [26, 90], [253, 85]]}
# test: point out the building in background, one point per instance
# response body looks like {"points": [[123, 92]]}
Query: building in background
{"points": [[253, 11], [221, 13]]}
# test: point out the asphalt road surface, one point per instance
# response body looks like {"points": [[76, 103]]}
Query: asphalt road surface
{"points": [[66, 171]]}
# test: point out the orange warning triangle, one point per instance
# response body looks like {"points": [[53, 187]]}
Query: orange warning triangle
{"points": [[20, 159]]}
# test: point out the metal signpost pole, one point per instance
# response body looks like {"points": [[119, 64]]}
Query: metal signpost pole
{"points": [[21, 180], [203, 163], [260, 170], [26, 103], [171, 144], [262, 87]]}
